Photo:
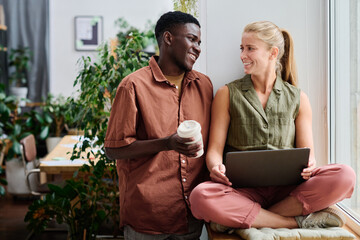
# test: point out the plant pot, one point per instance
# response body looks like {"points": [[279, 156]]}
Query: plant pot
{"points": [[15, 176], [73, 131], [21, 93], [51, 142]]}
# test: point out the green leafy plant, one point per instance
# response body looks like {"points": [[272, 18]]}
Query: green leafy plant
{"points": [[12, 124], [72, 117], [98, 82], [49, 120], [146, 37], [55, 107], [186, 6], [19, 59], [87, 204], [38, 123], [3, 183], [83, 206]]}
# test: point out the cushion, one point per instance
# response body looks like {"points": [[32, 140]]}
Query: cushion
{"points": [[294, 234]]}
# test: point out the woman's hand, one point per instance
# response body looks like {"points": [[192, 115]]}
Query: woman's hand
{"points": [[306, 173], [217, 174]]}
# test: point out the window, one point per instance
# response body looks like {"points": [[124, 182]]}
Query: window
{"points": [[345, 92]]}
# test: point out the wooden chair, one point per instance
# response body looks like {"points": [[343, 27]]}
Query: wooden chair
{"points": [[18, 168], [28, 152]]}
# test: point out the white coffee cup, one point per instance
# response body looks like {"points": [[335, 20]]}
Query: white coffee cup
{"points": [[191, 128]]}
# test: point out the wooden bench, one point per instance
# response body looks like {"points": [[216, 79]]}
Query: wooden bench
{"points": [[220, 236]]}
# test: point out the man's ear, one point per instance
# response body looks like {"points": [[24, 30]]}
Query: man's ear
{"points": [[274, 53], [167, 37]]}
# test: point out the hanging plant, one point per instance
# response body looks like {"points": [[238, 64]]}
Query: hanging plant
{"points": [[187, 6]]}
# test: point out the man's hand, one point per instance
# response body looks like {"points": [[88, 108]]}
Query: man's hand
{"points": [[217, 174], [181, 145]]}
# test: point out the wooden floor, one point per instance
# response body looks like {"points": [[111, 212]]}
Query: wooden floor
{"points": [[12, 225]]}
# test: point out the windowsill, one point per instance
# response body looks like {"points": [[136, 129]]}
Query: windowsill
{"points": [[350, 230], [351, 224]]}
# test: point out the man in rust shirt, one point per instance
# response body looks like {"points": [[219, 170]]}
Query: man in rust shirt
{"points": [[157, 169]]}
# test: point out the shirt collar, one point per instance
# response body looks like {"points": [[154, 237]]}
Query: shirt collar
{"points": [[248, 83], [159, 76]]}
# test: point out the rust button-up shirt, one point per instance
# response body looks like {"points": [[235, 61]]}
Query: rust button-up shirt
{"points": [[154, 190]]}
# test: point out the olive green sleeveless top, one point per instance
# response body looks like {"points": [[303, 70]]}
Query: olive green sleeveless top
{"points": [[254, 127]]}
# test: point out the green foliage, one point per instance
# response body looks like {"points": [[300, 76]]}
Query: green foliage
{"points": [[73, 114], [54, 109], [186, 6], [87, 204], [98, 82], [49, 119], [3, 182], [143, 38], [11, 124], [81, 205], [19, 59], [38, 123]]}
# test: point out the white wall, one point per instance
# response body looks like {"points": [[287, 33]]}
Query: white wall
{"points": [[63, 57], [306, 20], [222, 25]]}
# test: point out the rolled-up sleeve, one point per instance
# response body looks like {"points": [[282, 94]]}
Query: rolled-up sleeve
{"points": [[121, 129]]}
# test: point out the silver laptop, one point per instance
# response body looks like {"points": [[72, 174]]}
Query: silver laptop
{"points": [[261, 168]]}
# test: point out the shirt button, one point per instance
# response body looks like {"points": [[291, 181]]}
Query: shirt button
{"points": [[184, 179], [265, 126], [186, 197], [183, 161]]}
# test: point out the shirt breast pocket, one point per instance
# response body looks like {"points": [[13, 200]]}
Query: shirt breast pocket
{"points": [[284, 132]]}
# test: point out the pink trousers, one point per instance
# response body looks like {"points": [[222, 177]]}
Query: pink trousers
{"points": [[238, 208]]}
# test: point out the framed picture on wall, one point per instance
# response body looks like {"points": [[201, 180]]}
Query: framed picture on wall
{"points": [[88, 32]]}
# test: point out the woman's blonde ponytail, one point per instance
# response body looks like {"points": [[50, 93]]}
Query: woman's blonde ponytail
{"points": [[288, 71]]}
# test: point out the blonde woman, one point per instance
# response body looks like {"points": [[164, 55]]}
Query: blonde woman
{"points": [[265, 110]]}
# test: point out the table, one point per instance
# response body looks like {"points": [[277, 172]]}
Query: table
{"points": [[58, 160]]}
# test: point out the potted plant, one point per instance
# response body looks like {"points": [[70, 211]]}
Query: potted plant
{"points": [[3, 145], [47, 122], [3, 183], [11, 123], [54, 109], [83, 206], [19, 60], [97, 81], [146, 40], [72, 119], [13, 129]]}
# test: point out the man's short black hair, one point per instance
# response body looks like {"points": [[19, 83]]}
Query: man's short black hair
{"points": [[170, 20]]}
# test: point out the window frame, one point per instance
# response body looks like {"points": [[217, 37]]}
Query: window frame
{"points": [[339, 115]]}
